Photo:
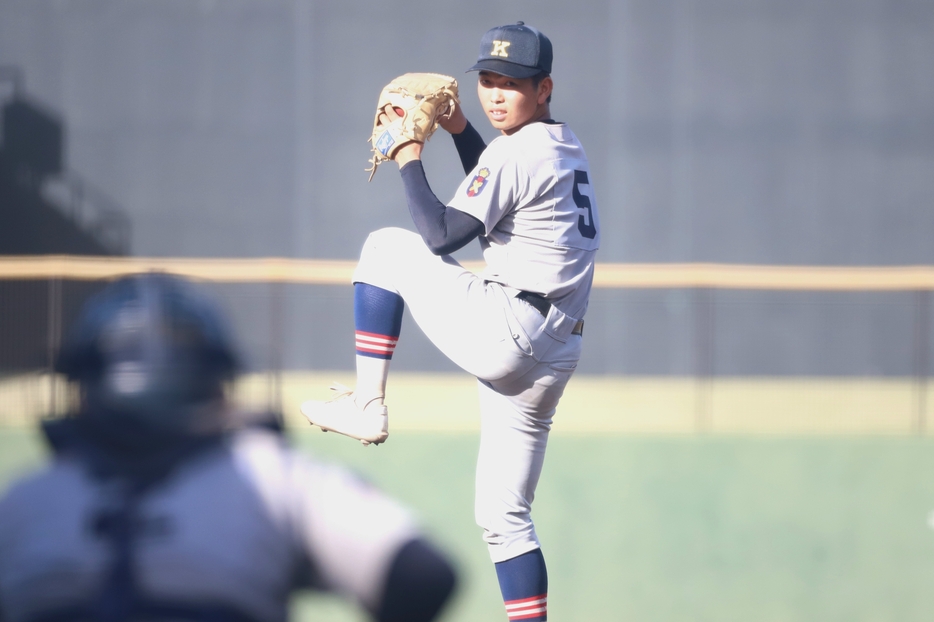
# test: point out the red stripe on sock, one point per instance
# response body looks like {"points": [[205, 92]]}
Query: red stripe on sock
{"points": [[391, 345], [528, 608], [376, 350], [375, 344], [522, 601]]}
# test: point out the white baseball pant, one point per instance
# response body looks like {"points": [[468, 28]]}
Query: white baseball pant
{"points": [[521, 359]]}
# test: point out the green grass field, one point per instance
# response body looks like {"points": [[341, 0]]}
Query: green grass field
{"points": [[671, 528], [592, 404]]}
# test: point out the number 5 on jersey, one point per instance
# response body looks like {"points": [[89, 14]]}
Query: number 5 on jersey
{"points": [[585, 223]]}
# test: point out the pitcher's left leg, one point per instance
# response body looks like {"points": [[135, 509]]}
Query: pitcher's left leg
{"points": [[516, 419], [513, 438]]}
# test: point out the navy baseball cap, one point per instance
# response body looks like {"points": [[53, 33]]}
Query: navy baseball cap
{"points": [[515, 50]]}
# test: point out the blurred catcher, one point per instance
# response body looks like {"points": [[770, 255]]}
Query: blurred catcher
{"points": [[162, 504]]}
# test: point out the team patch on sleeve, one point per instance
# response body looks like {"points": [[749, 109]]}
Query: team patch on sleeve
{"points": [[479, 182]]}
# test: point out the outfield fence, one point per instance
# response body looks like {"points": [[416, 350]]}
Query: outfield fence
{"points": [[707, 392]]}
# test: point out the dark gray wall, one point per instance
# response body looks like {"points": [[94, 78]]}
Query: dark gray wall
{"points": [[783, 131]]}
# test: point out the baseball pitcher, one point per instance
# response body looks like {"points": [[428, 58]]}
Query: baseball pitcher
{"points": [[517, 327]]}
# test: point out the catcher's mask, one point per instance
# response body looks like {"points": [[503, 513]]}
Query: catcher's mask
{"points": [[149, 348]]}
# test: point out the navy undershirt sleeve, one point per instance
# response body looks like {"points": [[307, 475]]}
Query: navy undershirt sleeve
{"points": [[469, 147], [444, 229]]}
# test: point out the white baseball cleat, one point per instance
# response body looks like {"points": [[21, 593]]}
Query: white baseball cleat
{"points": [[368, 425]]}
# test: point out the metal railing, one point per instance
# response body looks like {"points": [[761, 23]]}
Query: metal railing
{"points": [[706, 281]]}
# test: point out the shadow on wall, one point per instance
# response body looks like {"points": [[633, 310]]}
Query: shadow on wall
{"points": [[44, 208]]}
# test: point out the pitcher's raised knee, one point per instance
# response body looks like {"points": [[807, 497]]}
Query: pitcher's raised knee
{"points": [[387, 253]]}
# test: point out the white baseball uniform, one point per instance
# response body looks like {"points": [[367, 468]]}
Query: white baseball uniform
{"points": [[532, 193], [238, 527]]}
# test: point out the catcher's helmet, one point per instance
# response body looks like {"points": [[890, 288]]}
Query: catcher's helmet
{"points": [[150, 348]]}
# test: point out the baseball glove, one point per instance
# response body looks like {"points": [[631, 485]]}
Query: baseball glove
{"points": [[423, 98]]}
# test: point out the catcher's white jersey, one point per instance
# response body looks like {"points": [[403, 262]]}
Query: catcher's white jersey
{"points": [[532, 192], [241, 526]]}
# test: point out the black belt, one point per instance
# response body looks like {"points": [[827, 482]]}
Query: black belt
{"points": [[541, 304]]}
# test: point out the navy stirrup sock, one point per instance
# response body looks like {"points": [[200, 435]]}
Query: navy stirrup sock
{"points": [[523, 581], [377, 320]]}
